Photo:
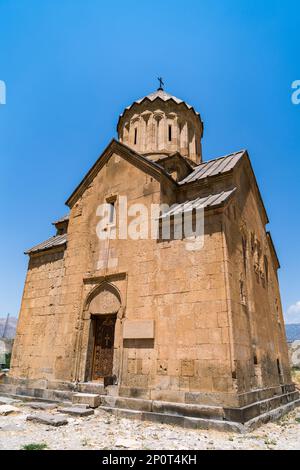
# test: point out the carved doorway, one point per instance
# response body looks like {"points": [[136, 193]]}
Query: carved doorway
{"points": [[104, 328]]}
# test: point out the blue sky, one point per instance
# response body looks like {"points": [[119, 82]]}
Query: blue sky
{"points": [[70, 67]]}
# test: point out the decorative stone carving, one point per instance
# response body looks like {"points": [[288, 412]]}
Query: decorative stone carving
{"points": [[149, 122], [105, 302]]}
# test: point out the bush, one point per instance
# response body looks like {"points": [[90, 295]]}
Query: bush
{"points": [[7, 360], [35, 446]]}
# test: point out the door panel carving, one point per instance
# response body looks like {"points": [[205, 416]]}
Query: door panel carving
{"points": [[103, 346]]}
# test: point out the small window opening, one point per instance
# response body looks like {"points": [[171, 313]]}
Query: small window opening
{"points": [[255, 360], [135, 136], [278, 367], [170, 133], [111, 211], [252, 242]]}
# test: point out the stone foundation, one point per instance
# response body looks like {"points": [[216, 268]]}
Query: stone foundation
{"points": [[262, 405]]}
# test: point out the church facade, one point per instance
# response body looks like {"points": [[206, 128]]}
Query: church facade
{"points": [[152, 318]]}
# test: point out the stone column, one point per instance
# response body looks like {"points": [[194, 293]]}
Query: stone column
{"points": [[184, 140], [125, 133], [162, 133], [192, 144], [178, 134], [146, 126], [159, 131]]}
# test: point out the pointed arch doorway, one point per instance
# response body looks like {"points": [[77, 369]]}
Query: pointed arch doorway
{"points": [[103, 351], [103, 322]]}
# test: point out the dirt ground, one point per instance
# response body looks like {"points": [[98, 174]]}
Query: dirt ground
{"points": [[105, 431]]}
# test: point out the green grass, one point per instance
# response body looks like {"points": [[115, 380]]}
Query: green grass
{"points": [[35, 446]]}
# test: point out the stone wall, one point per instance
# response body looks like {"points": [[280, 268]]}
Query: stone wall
{"points": [[259, 341], [216, 314], [39, 333]]}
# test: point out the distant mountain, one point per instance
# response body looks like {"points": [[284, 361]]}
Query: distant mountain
{"points": [[292, 331], [11, 327]]}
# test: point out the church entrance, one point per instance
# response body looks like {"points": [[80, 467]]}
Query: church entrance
{"points": [[104, 328]]}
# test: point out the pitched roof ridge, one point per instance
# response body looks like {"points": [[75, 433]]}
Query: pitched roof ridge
{"points": [[116, 143], [206, 201], [220, 158], [214, 167]]}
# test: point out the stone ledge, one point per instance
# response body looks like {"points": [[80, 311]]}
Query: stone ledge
{"points": [[202, 423], [77, 411], [48, 419], [246, 413], [183, 421]]}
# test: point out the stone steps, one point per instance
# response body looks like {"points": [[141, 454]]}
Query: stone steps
{"points": [[203, 416], [91, 399], [91, 387], [77, 411], [183, 414], [183, 421], [163, 407], [202, 423], [249, 412], [28, 394]]}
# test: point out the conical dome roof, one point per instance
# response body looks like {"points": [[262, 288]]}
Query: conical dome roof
{"points": [[164, 96], [161, 124]]}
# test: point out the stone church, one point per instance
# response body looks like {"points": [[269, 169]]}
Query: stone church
{"points": [[189, 336]]}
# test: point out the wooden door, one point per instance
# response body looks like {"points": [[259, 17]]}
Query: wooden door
{"points": [[103, 346]]}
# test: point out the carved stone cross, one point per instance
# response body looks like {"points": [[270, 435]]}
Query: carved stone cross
{"points": [[107, 338]]}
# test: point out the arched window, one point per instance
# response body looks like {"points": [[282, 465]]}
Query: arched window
{"points": [[170, 133], [135, 136]]}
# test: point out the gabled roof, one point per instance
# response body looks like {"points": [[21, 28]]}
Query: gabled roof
{"points": [[57, 240], [125, 152], [211, 201], [214, 167], [63, 219]]}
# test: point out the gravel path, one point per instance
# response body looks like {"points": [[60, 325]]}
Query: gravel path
{"points": [[105, 431]]}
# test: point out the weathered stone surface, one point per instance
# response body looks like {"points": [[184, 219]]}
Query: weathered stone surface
{"points": [[8, 409], [9, 401], [91, 399], [294, 353], [105, 430], [188, 325], [49, 419], [138, 329], [77, 411], [41, 405], [126, 443]]}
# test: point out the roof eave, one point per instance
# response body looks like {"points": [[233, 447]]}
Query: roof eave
{"points": [[42, 250], [109, 150], [257, 188]]}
